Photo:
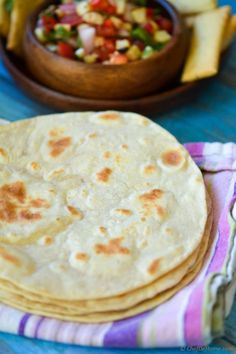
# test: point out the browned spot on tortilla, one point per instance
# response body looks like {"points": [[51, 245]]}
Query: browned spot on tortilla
{"points": [[26, 214], [92, 135], [14, 190], [125, 212], [198, 179], [3, 152], [81, 256], [109, 116], [143, 219], [107, 155], [124, 146], [151, 196], [154, 267], [172, 158], [59, 146], [15, 206], [169, 231], [55, 132], [118, 158], [9, 257], [113, 247], [47, 240], [39, 203], [103, 230], [149, 169], [74, 211], [35, 165], [160, 211], [104, 174]]}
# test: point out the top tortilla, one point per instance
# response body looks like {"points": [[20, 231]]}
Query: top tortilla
{"points": [[93, 205]]}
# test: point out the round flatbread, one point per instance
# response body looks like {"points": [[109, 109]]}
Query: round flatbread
{"points": [[94, 205]]}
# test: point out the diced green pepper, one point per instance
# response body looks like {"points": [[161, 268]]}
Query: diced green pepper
{"points": [[140, 34], [159, 46], [61, 32]]}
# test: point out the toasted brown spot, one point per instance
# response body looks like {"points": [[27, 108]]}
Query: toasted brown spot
{"points": [[74, 211], [104, 174], [143, 219], [149, 169], [15, 191], [92, 135], [103, 230], [124, 146], [125, 212], [145, 121], [35, 165], [9, 257], [55, 132], [151, 196], [3, 152], [113, 247], [172, 158], [59, 146], [48, 240], [199, 179], [107, 155], [109, 116], [81, 256], [39, 203], [29, 216], [160, 211], [15, 206], [169, 231], [154, 267]]}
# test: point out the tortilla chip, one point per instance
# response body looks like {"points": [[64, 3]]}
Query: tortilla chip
{"points": [[21, 10], [4, 20], [205, 48], [229, 33], [194, 6]]}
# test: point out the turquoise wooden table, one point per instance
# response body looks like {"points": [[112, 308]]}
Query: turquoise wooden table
{"points": [[210, 117]]}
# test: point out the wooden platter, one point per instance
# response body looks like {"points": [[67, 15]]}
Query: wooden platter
{"points": [[160, 102]]}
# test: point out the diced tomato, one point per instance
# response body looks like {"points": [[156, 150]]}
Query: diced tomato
{"points": [[109, 45], [103, 5], [73, 20], [108, 23], [65, 50], [164, 24], [106, 31], [148, 27], [118, 59], [149, 12], [103, 53], [139, 44], [48, 22]]}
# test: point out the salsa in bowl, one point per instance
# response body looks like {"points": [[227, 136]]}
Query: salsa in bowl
{"points": [[60, 69], [104, 31]]}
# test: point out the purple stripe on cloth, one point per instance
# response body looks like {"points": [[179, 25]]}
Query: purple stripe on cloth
{"points": [[38, 326], [195, 149], [22, 324], [124, 333]]}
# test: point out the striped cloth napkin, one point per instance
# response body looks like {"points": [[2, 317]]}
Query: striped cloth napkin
{"points": [[195, 315]]}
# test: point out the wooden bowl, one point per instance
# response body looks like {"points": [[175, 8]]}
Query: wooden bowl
{"points": [[98, 81]]}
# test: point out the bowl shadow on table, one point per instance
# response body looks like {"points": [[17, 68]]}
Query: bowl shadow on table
{"points": [[175, 95]]}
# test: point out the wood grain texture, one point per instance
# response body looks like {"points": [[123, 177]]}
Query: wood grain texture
{"points": [[211, 117]]}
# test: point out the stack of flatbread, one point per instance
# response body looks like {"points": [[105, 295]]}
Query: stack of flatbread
{"points": [[102, 216]]}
